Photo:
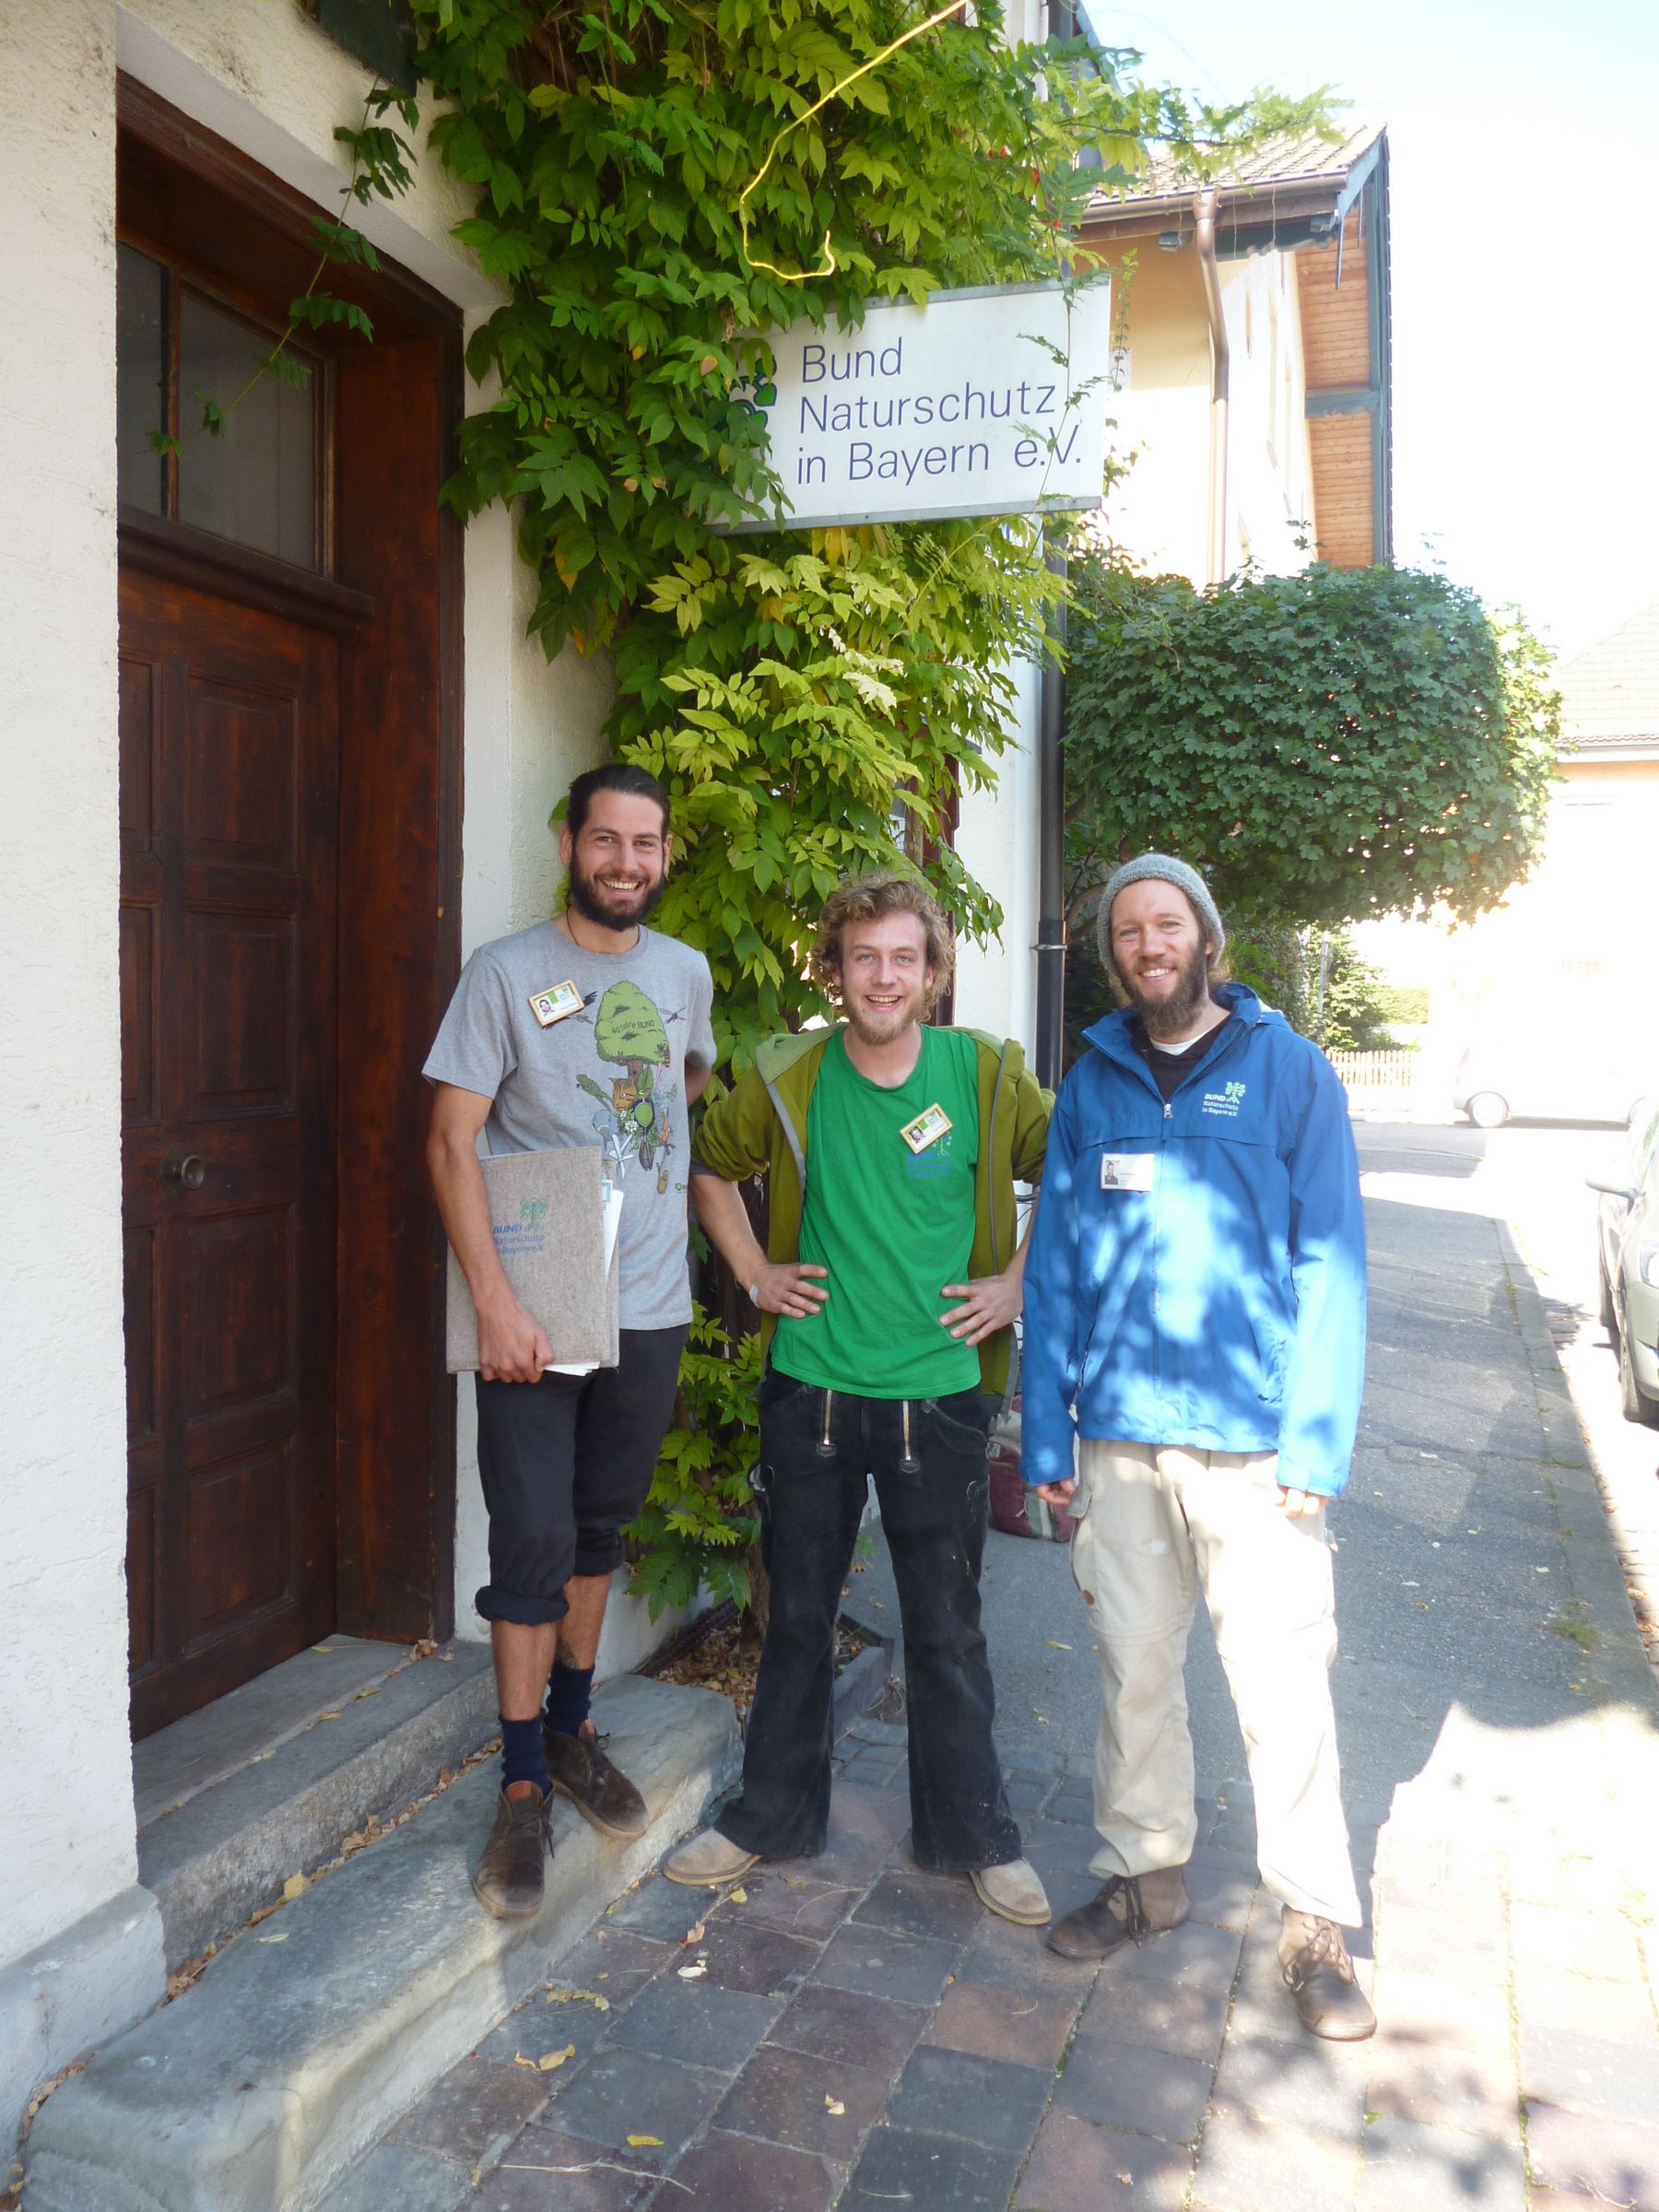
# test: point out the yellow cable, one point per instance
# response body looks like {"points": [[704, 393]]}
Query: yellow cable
{"points": [[874, 62]]}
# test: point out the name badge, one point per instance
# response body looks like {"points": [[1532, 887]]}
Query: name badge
{"points": [[1127, 1171], [553, 1004], [927, 1128]]}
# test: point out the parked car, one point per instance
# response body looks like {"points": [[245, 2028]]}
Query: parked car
{"points": [[1627, 1263], [1541, 1076]]}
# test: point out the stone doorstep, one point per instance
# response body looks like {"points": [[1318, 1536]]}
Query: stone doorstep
{"points": [[312, 2033], [209, 1746], [283, 1805]]}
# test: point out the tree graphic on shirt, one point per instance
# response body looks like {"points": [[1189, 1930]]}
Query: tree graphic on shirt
{"points": [[629, 1030]]}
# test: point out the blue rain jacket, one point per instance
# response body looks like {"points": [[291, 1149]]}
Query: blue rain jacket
{"points": [[1223, 1306]]}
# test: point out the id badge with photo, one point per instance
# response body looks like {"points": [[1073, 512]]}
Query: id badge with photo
{"points": [[1128, 1170], [928, 1127], [553, 1004]]}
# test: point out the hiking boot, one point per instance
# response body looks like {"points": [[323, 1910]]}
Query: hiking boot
{"points": [[578, 1768], [1014, 1890], [1128, 1909], [1319, 1974], [708, 1860], [509, 1875]]}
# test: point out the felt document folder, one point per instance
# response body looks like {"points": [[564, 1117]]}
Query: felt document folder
{"points": [[548, 1212]]}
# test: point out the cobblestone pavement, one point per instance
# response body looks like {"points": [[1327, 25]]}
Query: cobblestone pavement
{"points": [[848, 2031]]}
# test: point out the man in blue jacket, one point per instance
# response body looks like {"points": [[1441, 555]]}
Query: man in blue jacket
{"points": [[1194, 1329]]}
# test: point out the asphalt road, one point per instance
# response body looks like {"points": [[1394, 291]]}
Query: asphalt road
{"points": [[1448, 1566]]}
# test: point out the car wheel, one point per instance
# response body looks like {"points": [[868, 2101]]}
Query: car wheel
{"points": [[1489, 1110], [1604, 1311], [1634, 1403]]}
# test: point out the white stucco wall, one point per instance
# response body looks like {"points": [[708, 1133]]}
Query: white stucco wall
{"points": [[996, 839], [68, 1838]]}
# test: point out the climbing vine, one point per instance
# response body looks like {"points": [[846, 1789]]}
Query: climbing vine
{"points": [[651, 181]]}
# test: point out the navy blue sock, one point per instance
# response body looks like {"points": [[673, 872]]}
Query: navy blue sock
{"points": [[523, 1758], [570, 1695]]}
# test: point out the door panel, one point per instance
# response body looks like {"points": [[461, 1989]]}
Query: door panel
{"points": [[229, 784]]}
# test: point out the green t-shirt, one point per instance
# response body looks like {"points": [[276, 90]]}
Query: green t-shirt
{"points": [[892, 1225]]}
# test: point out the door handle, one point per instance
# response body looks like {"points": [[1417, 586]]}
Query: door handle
{"points": [[185, 1170]]}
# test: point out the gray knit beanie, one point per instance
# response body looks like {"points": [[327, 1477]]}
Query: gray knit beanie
{"points": [[1162, 869]]}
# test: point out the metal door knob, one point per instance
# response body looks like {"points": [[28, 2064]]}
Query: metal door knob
{"points": [[186, 1171]]}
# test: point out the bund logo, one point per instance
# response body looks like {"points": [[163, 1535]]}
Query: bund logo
{"points": [[1226, 1102]]}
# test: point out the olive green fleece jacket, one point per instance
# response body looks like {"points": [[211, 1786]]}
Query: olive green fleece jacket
{"points": [[759, 1128]]}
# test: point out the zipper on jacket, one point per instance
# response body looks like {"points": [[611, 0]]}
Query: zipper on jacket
{"points": [[908, 1461], [826, 1445], [1163, 1152]]}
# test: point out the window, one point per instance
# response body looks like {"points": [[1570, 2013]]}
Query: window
{"points": [[258, 481]]}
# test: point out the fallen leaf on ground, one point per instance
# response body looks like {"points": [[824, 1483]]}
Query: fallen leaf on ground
{"points": [[292, 1887], [323, 1647], [691, 1974], [834, 2107], [282, 1938], [550, 2061], [694, 1934], [1058, 1647], [739, 1896], [330, 1716], [644, 2142]]}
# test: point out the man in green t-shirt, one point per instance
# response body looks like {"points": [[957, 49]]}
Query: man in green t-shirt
{"points": [[889, 1287]]}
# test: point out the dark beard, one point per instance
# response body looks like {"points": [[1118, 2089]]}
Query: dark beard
{"points": [[1177, 1012], [593, 905]]}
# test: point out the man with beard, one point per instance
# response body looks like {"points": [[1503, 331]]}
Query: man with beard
{"points": [[589, 1008], [889, 1285], [1196, 1328]]}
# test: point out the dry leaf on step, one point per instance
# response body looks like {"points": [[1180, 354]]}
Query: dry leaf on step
{"points": [[292, 1887]]}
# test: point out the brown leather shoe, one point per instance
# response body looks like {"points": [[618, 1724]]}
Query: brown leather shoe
{"points": [[604, 1797], [507, 1878], [1128, 1909], [1319, 1974]]}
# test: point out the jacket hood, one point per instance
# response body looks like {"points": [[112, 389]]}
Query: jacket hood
{"points": [[1111, 1034]]}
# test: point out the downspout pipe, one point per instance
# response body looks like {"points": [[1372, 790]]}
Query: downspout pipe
{"points": [[1050, 948], [1051, 841], [1203, 212]]}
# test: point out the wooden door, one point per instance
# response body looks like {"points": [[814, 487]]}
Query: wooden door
{"points": [[229, 830]]}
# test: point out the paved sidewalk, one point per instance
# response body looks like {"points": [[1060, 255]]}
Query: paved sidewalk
{"points": [[849, 2032]]}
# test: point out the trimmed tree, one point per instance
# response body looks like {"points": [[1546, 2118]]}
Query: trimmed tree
{"points": [[1327, 747]]}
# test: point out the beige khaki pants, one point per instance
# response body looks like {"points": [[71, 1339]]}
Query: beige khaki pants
{"points": [[1156, 1521]]}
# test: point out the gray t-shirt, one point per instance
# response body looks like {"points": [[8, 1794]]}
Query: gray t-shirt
{"points": [[613, 1074]]}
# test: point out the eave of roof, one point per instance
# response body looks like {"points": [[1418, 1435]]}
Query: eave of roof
{"points": [[1287, 179]]}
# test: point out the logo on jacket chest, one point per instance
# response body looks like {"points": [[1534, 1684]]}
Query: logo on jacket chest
{"points": [[1225, 1101]]}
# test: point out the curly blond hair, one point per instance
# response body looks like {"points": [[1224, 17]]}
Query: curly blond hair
{"points": [[867, 899]]}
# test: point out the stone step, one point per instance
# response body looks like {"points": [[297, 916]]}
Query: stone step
{"points": [[248, 1814], [312, 2033]]}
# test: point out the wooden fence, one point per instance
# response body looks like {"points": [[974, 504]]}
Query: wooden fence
{"points": [[1375, 1071]]}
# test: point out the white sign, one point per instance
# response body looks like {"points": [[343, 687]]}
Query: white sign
{"points": [[973, 404]]}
